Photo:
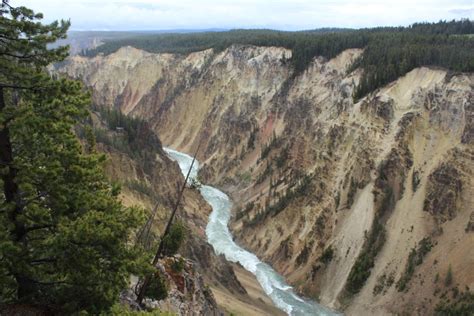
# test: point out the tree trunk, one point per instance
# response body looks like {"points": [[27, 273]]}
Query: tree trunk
{"points": [[12, 199], [10, 188]]}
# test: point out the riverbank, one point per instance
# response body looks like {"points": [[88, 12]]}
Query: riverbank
{"points": [[256, 302]]}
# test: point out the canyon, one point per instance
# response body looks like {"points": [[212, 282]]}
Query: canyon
{"points": [[363, 206]]}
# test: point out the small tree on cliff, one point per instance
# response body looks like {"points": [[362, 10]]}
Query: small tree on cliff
{"points": [[63, 233]]}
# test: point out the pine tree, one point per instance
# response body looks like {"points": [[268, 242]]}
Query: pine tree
{"points": [[64, 236], [449, 277]]}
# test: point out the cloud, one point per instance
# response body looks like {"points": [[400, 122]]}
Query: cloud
{"points": [[277, 14], [463, 12]]}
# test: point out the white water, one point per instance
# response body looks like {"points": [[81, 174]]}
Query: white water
{"points": [[220, 238]]}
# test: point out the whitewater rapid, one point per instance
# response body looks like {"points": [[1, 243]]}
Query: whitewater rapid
{"points": [[219, 236]]}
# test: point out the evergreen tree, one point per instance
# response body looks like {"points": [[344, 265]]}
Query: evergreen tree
{"points": [[63, 233]]}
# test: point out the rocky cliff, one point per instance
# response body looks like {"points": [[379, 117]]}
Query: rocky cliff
{"points": [[149, 179], [365, 206]]}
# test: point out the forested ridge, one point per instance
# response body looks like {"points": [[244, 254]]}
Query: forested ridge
{"points": [[389, 52]]}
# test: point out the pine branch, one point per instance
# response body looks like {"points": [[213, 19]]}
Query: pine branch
{"points": [[43, 260], [38, 227], [12, 86]]}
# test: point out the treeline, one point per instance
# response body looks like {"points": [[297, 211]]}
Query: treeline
{"points": [[304, 44], [444, 27], [389, 51], [390, 55], [185, 43]]}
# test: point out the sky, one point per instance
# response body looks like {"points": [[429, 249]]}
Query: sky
{"points": [[119, 15]]}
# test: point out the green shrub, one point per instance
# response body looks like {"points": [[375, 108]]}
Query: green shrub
{"points": [[174, 239], [365, 261], [415, 258], [449, 277], [178, 265], [303, 255], [327, 255], [462, 305], [157, 288]]}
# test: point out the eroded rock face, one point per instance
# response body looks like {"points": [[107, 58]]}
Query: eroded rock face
{"points": [[304, 163], [380, 107], [443, 192], [468, 134]]}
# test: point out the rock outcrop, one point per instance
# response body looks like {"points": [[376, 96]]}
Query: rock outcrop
{"points": [[188, 295]]}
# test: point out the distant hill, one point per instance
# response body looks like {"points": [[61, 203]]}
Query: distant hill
{"points": [[80, 41]]}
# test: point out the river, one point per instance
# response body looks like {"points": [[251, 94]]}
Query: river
{"points": [[219, 236]]}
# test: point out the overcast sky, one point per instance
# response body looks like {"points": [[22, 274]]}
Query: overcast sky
{"points": [[275, 14]]}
